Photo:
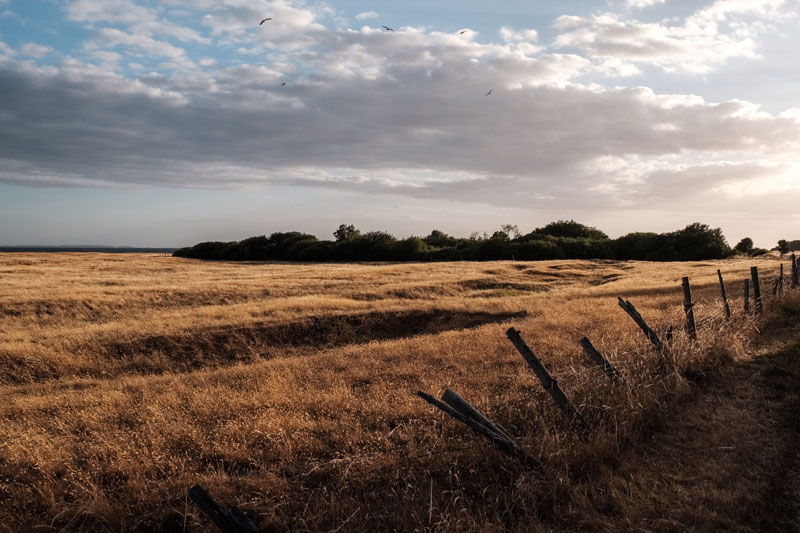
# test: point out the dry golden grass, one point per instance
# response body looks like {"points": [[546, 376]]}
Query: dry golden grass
{"points": [[289, 389]]}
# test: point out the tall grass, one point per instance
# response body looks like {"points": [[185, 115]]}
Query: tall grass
{"points": [[105, 425]]}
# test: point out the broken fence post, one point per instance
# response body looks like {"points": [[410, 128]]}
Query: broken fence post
{"points": [[724, 296], [233, 522], [746, 295], [461, 405], [634, 314], [757, 290], [688, 308], [501, 440], [595, 355], [549, 383]]}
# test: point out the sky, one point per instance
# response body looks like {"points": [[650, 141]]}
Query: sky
{"points": [[167, 123]]}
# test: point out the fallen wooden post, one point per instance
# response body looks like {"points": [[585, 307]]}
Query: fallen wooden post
{"points": [[746, 295], [724, 296], [757, 290], [634, 314], [595, 355], [461, 405], [549, 383], [500, 441], [688, 308], [233, 522]]}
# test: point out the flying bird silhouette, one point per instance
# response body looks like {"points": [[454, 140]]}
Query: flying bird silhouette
{"points": [[490, 92], [387, 28], [263, 21], [282, 84], [462, 32]]}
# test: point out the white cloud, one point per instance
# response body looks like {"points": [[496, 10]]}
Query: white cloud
{"points": [[723, 30], [141, 20], [367, 15], [34, 50], [643, 3]]}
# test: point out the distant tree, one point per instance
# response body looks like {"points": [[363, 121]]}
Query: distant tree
{"points": [[795, 245], [440, 239], [511, 230], [346, 233], [500, 236], [745, 246], [572, 229], [698, 241], [759, 251], [784, 247]]}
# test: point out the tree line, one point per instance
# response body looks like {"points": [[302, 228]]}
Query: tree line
{"points": [[563, 239]]}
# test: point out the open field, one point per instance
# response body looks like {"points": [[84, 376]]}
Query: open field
{"points": [[289, 390]]}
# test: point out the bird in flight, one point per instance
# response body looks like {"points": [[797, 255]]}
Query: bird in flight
{"points": [[263, 21], [282, 84], [462, 32], [387, 28], [490, 92]]}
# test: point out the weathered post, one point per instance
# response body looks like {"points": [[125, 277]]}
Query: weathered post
{"points": [[595, 355], [795, 274], [474, 419], [780, 283], [688, 308], [724, 296], [634, 314], [549, 383], [756, 290], [746, 295], [233, 522]]}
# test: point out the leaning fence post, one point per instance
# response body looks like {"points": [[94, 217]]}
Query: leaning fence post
{"points": [[233, 522], [688, 308], [471, 417], [634, 314], [549, 383], [724, 296], [595, 355], [746, 295], [756, 289]]}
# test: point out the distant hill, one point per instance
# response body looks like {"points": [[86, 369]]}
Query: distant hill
{"points": [[87, 248]]}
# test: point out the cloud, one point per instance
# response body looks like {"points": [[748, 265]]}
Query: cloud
{"points": [[723, 30], [643, 3], [392, 113], [367, 15], [34, 50]]}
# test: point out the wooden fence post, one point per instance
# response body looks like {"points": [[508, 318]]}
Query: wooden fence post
{"points": [[688, 308], [724, 296], [757, 290], [549, 383], [795, 274], [634, 314], [476, 421], [233, 522], [595, 355], [746, 295], [780, 284]]}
